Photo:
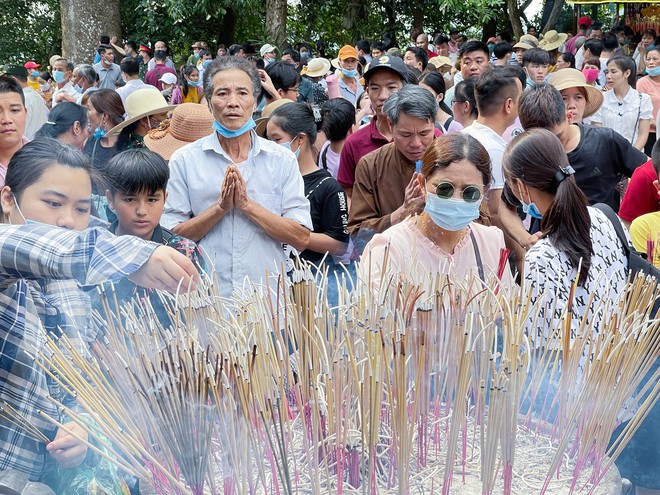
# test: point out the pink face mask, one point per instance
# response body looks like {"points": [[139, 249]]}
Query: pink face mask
{"points": [[590, 75]]}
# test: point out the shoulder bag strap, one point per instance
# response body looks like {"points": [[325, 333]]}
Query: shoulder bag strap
{"points": [[616, 223], [477, 255], [324, 159]]}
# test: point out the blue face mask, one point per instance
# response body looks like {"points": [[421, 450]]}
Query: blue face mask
{"points": [[530, 209], [58, 75], [193, 84], [31, 222], [206, 63], [655, 71], [99, 133], [79, 88], [451, 214], [34, 73], [349, 73], [288, 146], [197, 55], [530, 83], [228, 133]]}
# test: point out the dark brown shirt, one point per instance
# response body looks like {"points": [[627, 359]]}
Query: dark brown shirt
{"points": [[381, 178]]}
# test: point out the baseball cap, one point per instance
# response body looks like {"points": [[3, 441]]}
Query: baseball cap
{"points": [[267, 48], [15, 70], [584, 20], [347, 51], [389, 62], [168, 78], [31, 65]]}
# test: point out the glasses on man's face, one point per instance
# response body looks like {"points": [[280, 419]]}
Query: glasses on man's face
{"points": [[295, 90], [470, 194]]}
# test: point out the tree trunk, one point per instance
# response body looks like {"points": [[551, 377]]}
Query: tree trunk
{"points": [[554, 16], [276, 22], [228, 28], [83, 23], [514, 16], [390, 9], [418, 21]]}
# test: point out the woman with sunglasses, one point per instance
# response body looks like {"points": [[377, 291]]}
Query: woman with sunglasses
{"points": [[443, 236]]}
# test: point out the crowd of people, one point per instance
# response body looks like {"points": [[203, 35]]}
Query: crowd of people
{"points": [[444, 153]]}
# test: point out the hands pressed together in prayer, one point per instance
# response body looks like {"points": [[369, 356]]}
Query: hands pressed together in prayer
{"points": [[234, 191]]}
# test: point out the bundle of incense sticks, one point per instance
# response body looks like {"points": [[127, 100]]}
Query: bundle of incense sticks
{"points": [[395, 391]]}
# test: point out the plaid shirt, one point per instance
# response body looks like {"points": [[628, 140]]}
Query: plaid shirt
{"points": [[41, 272]]}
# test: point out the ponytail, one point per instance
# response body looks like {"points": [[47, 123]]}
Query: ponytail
{"points": [[61, 119], [537, 157], [568, 225]]}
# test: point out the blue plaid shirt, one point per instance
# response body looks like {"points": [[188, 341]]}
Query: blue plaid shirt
{"points": [[42, 269]]}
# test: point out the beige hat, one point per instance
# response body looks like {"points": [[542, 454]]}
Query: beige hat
{"points": [[53, 59], [141, 103], [316, 67], [189, 122], [552, 40], [573, 78], [262, 122], [526, 42], [439, 61]]}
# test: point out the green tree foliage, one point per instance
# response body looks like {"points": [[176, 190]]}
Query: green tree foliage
{"points": [[30, 31]]}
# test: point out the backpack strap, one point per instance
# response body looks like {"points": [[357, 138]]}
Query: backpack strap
{"points": [[616, 223], [477, 255]]}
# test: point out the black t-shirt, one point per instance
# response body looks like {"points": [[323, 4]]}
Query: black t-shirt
{"points": [[328, 208], [99, 157], [601, 156]]}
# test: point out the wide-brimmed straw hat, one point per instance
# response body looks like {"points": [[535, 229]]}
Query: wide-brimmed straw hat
{"points": [[573, 78], [262, 122], [552, 40], [188, 123], [527, 41], [141, 103], [316, 67]]}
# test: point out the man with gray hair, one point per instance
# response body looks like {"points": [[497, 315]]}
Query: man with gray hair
{"points": [[385, 188], [85, 80]]}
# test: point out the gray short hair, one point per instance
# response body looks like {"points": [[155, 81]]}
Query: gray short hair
{"points": [[86, 72], [231, 63], [411, 100]]}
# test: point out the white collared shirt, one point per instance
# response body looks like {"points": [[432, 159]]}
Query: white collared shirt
{"points": [[240, 250], [130, 86], [623, 116], [494, 144]]}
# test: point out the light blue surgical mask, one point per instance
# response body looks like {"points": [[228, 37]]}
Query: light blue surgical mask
{"points": [[288, 146], [451, 214], [34, 73], [58, 75], [100, 133], [193, 84], [530, 83], [31, 222], [228, 133], [655, 71], [79, 88], [530, 208], [349, 73], [206, 63]]}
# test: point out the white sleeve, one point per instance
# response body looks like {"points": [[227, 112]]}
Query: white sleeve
{"points": [[178, 207]]}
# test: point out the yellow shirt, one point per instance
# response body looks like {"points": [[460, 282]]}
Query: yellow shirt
{"points": [[194, 95], [643, 229], [34, 85]]}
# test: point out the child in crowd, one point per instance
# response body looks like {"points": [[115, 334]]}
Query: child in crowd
{"points": [[137, 183], [535, 63]]}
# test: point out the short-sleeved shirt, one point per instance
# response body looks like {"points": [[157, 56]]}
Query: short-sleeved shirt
{"points": [[494, 144], [347, 93], [357, 145], [239, 249], [328, 208], [651, 88], [109, 77], [153, 76], [646, 228], [600, 156], [624, 115], [550, 275], [641, 195], [328, 159], [130, 86], [412, 254]]}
